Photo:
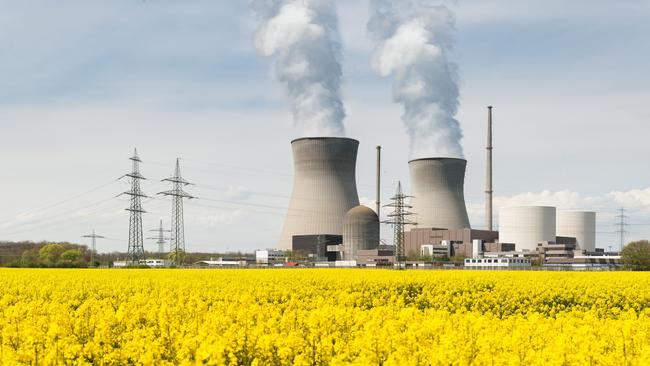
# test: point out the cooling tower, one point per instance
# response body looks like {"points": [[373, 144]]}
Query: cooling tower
{"points": [[526, 226], [324, 187], [580, 225], [437, 189], [360, 231]]}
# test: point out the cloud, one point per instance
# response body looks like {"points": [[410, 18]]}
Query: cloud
{"points": [[237, 193]]}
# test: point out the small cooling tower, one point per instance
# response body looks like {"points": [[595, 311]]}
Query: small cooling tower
{"points": [[360, 231], [526, 226], [324, 187], [580, 225], [437, 189]]}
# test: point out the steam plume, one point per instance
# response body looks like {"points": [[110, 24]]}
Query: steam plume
{"points": [[303, 37], [414, 42]]}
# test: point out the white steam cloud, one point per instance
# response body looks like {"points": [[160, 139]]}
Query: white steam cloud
{"points": [[414, 42], [303, 37]]}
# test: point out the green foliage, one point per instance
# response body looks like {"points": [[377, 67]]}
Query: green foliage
{"points": [[49, 254], [636, 256]]}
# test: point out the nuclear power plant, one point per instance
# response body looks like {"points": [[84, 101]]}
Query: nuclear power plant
{"points": [[325, 222]]}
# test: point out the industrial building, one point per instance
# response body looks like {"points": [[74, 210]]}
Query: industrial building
{"points": [[325, 222]]}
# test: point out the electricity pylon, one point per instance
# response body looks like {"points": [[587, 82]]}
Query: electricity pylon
{"points": [[177, 250], [399, 218], [161, 240], [621, 228], [136, 245], [94, 237]]}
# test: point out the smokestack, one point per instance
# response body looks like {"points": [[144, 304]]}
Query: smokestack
{"points": [[324, 187], [488, 180], [438, 197], [377, 200]]}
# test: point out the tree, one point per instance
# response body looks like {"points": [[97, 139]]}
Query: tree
{"points": [[636, 255], [29, 258], [49, 254], [72, 258]]}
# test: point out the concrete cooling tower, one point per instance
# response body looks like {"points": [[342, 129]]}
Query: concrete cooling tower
{"points": [[580, 225], [437, 189], [526, 226], [324, 187]]}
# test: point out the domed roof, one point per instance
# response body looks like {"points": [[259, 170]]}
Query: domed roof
{"points": [[361, 211]]}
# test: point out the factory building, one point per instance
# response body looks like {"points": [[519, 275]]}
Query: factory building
{"points": [[437, 186], [460, 240], [324, 190], [580, 225], [526, 226], [360, 232]]}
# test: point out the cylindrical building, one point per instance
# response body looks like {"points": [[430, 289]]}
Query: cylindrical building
{"points": [[526, 226], [437, 189], [360, 231], [324, 187], [580, 225]]}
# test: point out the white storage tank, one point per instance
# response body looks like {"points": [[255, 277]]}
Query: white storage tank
{"points": [[526, 226], [580, 225]]}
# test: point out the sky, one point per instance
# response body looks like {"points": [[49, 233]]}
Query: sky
{"points": [[84, 83]]}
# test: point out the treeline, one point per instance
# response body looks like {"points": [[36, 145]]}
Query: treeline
{"points": [[44, 255], [70, 255]]}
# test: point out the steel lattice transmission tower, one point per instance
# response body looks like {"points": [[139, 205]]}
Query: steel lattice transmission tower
{"points": [[136, 245], [399, 218], [177, 250], [161, 240], [93, 249], [621, 228]]}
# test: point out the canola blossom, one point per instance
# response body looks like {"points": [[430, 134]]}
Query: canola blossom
{"points": [[323, 317]]}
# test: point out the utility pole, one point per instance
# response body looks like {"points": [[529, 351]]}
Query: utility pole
{"points": [[399, 218], [136, 245], [488, 180], [161, 240], [621, 227], [178, 230], [94, 237]]}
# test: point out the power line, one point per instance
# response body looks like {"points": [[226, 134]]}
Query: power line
{"points": [[621, 227], [399, 218], [136, 246], [161, 240], [94, 237], [178, 228]]}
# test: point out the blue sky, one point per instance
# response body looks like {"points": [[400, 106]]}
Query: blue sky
{"points": [[82, 83]]}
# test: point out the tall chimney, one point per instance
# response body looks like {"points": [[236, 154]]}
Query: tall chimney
{"points": [[488, 180], [378, 199]]}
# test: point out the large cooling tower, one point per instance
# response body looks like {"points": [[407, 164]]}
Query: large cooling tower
{"points": [[580, 225], [324, 187], [526, 226], [437, 189]]}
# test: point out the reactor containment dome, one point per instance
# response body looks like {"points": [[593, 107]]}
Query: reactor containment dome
{"points": [[324, 187], [580, 225], [526, 226], [360, 231], [437, 186]]}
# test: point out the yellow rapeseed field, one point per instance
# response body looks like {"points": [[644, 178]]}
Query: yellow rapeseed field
{"points": [[323, 317]]}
